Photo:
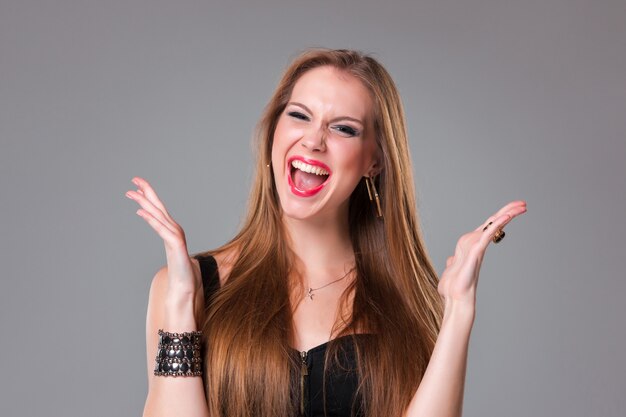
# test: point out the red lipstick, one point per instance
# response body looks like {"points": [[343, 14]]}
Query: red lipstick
{"points": [[311, 192]]}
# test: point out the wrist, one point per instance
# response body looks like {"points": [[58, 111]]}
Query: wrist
{"points": [[459, 312], [179, 315]]}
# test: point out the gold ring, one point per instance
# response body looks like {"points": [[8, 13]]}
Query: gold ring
{"points": [[498, 236]]}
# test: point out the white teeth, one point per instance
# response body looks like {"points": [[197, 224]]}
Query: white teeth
{"points": [[302, 166]]}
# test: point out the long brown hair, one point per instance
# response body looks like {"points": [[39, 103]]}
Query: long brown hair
{"points": [[248, 325]]}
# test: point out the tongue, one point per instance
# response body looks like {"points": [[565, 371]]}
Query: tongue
{"points": [[305, 181]]}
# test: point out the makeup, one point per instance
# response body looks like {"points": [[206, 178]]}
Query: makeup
{"points": [[304, 174]]}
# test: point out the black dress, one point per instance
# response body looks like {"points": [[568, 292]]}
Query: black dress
{"points": [[341, 382]]}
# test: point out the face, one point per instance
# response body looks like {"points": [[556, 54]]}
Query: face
{"points": [[323, 144]]}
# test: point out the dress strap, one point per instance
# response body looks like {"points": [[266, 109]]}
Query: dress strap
{"points": [[210, 276]]}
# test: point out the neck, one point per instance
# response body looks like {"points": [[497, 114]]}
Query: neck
{"points": [[322, 246]]}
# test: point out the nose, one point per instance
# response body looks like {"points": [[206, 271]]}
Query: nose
{"points": [[314, 140]]}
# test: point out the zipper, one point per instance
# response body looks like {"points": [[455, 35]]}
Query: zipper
{"points": [[304, 371]]}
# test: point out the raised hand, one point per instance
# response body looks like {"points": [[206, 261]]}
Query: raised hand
{"points": [[182, 279], [459, 280]]}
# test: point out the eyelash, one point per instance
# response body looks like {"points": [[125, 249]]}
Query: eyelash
{"points": [[340, 128], [347, 130], [298, 115]]}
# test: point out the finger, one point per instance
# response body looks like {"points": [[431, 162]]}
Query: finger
{"points": [[514, 209], [150, 208], [514, 212], [449, 261], [166, 234], [497, 224], [147, 190]]}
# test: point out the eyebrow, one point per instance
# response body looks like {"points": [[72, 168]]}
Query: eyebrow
{"points": [[333, 120]]}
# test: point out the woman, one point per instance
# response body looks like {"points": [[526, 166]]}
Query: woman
{"points": [[326, 301]]}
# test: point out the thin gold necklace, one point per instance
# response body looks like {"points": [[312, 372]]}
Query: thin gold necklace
{"points": [[310, 290]]}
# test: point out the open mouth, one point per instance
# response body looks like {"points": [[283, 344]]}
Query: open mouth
{"points": [[307, 178]]}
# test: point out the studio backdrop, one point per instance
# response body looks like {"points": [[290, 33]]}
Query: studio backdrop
{"points": [[505, 100]]}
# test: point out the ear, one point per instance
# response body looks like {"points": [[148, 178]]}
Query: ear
{"points": [[375, 167]]}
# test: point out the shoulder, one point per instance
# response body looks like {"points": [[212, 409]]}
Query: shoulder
{"points": [[225, 259], [158, 286]]}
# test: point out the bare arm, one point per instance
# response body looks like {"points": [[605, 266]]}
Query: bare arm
{"points": [[174, 293], [440, 393], [170, 396]]}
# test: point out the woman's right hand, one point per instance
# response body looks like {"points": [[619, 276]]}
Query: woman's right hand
{"points": [[171, 307], [183, 279]]}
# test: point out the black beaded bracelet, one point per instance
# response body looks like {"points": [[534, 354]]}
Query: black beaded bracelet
{"points": [[178, 354]]}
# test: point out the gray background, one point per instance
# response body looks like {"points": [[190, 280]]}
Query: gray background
{"points": [[505, 100]]}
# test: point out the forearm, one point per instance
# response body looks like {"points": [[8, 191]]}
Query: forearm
{"points": [[440, 393], [171, 396]]}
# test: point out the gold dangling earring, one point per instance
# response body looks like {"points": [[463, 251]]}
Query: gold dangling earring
{"points": [[373, 193]]}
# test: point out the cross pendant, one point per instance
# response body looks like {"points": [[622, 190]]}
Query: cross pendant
{"points": [[310, 293]]}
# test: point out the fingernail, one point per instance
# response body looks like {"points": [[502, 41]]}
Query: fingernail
{"points": [[128, 194]]}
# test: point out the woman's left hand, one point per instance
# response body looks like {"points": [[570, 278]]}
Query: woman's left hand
{"points": [[458, 281]]}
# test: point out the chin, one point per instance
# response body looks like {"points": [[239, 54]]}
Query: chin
{"points": [[322, 210], [300, 210]]}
